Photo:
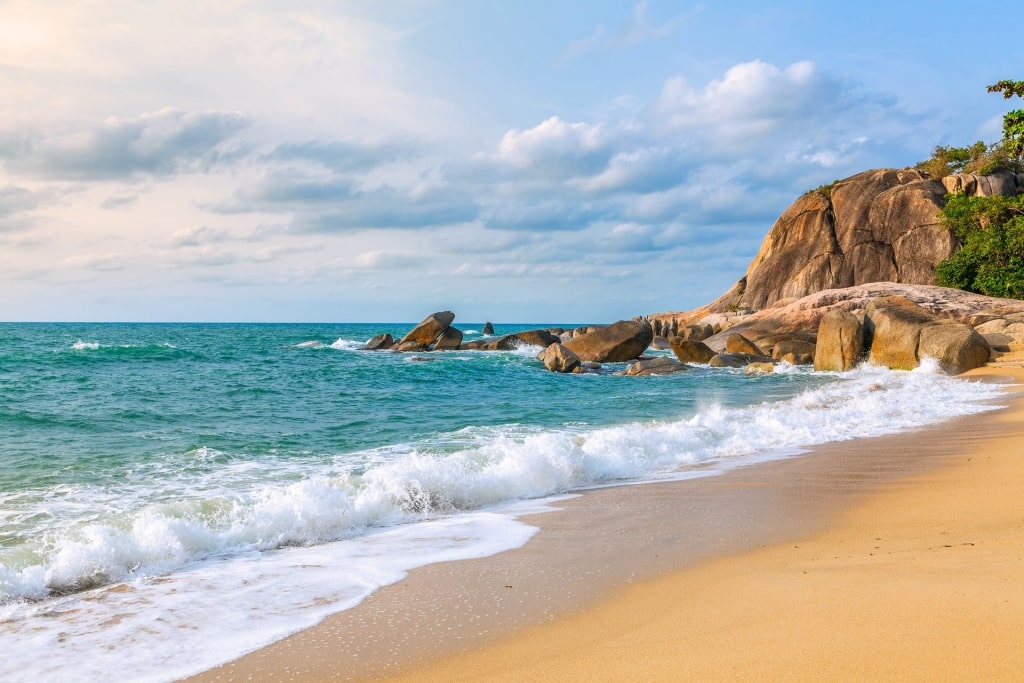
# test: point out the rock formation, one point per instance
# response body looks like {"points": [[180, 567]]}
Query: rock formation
{"points": [[654, 366], [450, 340], [381, 341], [840, 341], [620, 341], [691, 351], [877, 226], [428, 331], [901, 334], [557, 358]]}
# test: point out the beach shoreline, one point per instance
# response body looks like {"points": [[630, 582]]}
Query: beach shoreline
{"points": [[498, 617]]}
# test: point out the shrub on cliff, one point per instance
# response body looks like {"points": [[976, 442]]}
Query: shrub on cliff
{"points": [[991, 258], [978, 158]]}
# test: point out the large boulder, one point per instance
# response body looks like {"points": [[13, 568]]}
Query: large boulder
{"points": [[955, 346], [840, 341], [428, 331], [729, 360], [620, 341], [795, 351], [894, 328], [379, 342], [510, 342], [696, 332], [450, 340], [737, 343], [557, 358], [903, 333], [488, 329], [691, 351]]}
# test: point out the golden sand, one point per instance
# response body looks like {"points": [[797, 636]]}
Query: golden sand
{"points": [[923, 581]]}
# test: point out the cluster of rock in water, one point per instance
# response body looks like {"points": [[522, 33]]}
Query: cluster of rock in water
{"points": [[844, 275], [890, 330]]}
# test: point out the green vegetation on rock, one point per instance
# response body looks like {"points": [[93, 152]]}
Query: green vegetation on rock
{"points": [[990, 229], [978, 158], [991, 258]]}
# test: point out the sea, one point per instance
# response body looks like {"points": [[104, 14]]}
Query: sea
{"points": [[175, 495]]}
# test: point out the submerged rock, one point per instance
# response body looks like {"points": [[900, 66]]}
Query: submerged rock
{"points": [[510, 342], [655, 366], [759, 368]]}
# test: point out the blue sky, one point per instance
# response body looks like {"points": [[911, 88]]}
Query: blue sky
{"points": [[510, 161]]}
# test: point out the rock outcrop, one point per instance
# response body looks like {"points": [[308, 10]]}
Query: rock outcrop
{"points": [[877, 226], [428, 331], [620, 341]]}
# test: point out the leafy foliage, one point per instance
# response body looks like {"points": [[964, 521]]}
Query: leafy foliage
{"points": [[991, 258], [978, 158], [1013, 122]]}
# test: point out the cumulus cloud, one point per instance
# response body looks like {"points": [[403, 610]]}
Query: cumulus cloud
{"points": [[158, 143], [736, 149], [555, 148]]}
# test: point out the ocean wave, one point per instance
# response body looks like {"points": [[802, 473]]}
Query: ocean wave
{"points": [[89, 350], [248, 509]]}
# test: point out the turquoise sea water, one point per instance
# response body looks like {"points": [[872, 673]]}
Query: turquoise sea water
{"points": [[210, 457]]}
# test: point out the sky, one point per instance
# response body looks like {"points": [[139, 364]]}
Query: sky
{"points": [[357, 161]]}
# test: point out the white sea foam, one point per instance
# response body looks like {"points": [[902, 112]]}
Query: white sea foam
{"points": [[347, 344], [85, 346], [231, 529]]}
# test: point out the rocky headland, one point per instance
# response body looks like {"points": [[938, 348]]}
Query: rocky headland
{"points": [[846, 274]]}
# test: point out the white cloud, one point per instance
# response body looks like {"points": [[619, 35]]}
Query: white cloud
{"points": [[155, 143], [100, 262], [554, 145]]}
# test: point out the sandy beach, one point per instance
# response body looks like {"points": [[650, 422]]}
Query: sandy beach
{"points": [[893, 558]]}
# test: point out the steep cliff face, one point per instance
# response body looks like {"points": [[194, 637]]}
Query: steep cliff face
{"points": [[877, 226]]}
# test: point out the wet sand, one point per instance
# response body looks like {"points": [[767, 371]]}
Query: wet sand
{"points": [[898, 557]]}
